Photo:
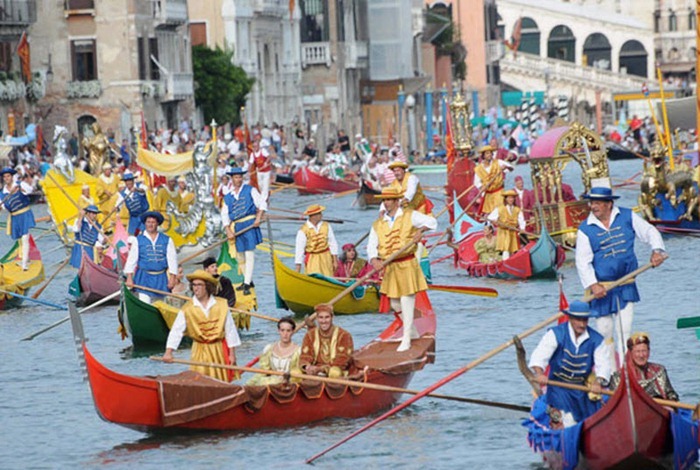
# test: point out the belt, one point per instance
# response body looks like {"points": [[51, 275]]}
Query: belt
{"points": [[154, 273], [318, 252], [9, 219], [404, 258], [244, 219], [83, 243], [494, 190]]}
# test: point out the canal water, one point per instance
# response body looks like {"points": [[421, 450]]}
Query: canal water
{"points": [[48, 419]]}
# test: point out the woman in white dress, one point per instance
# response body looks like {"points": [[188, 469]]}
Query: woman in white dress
{"points": [[281, 356]]}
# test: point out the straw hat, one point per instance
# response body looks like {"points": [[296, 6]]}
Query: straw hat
{"points": [[486, 148], [202, 275], [392, 192], [510, 192], [398, 164], [314, 209]]}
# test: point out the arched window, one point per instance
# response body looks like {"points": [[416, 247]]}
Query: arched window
{"points": [[596, 51], [657, 21], [529, 36], [633, 58], [673, 54], [672, 21], [562, 44]]}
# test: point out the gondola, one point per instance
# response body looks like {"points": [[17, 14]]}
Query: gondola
{"points": [[300, 292], [537, 259], [630, 431], [97, 281], [188, 401], [309, 182], [367, 197], [15, 280]]}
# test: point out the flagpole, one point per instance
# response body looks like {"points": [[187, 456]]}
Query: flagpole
{"points": [[665, 116]]}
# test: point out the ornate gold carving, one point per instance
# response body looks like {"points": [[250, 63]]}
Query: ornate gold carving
{"points": [[461, 124]]}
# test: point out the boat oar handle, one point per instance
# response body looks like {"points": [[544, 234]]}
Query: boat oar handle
{"points": [[622, 280]]}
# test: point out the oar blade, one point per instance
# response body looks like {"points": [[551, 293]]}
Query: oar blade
{"points": [[691, 322], [478, 291]]}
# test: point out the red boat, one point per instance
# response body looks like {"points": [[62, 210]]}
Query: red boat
{"points": [[97, 281], [310, 182], [189, 401], [630, 431]]}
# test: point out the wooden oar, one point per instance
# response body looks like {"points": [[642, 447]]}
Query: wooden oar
{"points": [[479, 291], [282, 187], [214, 245], [184, 297], [331, 196], [437, 385], [31, 299], [63, 320], [583, 388], [346, 382], [622, 280], [303, 219], [46, 284], [525, 232], [288, 211], [45, 218]]}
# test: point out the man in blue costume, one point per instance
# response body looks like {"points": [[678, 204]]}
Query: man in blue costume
{"points": [[605, 253], [155, 256], [88, 235], [572, 350], [134, 196], [15, 198], [241, 208]]}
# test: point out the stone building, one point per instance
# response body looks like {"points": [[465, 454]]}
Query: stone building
{"points": [[109, 61]]}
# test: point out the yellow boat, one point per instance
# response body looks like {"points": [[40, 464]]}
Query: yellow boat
{"points": [[300, 293], [13, 279]]}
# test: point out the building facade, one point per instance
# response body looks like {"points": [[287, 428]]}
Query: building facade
{"points": [[109, 62]]}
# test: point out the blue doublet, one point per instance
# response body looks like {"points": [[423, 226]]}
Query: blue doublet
{"points": [[21, 215], [572, 366], [152, 270], [85, 241], [613, 257], [136, 204], [242, 211]]}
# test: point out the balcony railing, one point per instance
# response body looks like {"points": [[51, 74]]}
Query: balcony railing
{"points": [[17, 12], [79, 4], [271, 7], [178, 86], [494, 51], [315, 53], [170, 12], [356, 56]]}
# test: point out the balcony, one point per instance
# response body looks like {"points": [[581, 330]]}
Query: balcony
{"points": [[356, 56], [178, 86], [169, 12], [17, 12], [271, 7], [315, 53], [495, 50]]}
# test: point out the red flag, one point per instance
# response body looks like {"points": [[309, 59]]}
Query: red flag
{"points": [[144, 133], [563, 303], [451, 154], [24, 59]]}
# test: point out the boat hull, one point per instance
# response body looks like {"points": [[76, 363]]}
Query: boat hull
{"points": [[15, 280], [313, 183], [367, 197], [144, 322], [96, 281], [301, 293]]}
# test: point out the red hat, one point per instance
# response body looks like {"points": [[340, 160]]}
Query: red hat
{"points": [[518, 178], [348, 246]]}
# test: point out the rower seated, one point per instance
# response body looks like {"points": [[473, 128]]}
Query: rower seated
{"points": [[572, 350], [486, 248], [225, 287], [652, 377], [327, 349], [280, 356]]}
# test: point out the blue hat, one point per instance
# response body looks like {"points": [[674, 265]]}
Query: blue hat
{"points": [[156, 215], [92, 208], [236, 171], [600, 193], [578, 309], [8, 170], [128, 176]]}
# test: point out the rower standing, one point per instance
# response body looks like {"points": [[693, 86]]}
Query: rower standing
{"points": [[241, 208], [261, 161], [403, 277], [490, 172], [316, 247], [88, 235], [15, 198], [409, 185], [134, 196], [154, 255], [507, 216]]}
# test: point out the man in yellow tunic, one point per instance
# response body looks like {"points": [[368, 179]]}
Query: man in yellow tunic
{"points": [[409, 185], [107, 189], [85, 199], [186, 196], [488, 178], [207, 320], [403, 278], [508, 217], [316, 247], [327, 349], [165, 193]]}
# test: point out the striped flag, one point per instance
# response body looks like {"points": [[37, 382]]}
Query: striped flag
{"points": [[563, 107], [524, 114], [533, 116]]}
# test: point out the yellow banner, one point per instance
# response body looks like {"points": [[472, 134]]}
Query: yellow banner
{"points": [[164, 164]]}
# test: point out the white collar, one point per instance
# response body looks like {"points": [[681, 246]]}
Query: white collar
{"points": [[593, 220]]}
